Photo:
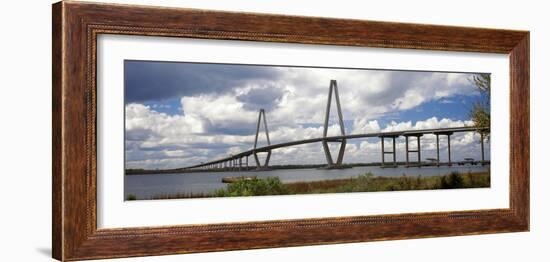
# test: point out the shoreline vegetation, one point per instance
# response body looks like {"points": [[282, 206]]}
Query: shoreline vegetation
{"points": [[363, 183]]}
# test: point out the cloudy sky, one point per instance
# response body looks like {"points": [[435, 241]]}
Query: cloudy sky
{"points": [[180, 114]]}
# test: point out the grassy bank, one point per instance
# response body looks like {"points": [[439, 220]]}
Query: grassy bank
{"points": [[363, 183]]}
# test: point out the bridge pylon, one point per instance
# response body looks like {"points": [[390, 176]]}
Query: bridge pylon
{"points": [[255, 153], [333, 88]]}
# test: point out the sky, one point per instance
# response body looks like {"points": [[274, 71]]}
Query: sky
{"points": [[180, 114]]}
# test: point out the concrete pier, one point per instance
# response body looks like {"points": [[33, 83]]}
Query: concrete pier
{"points": [[333, 88], [482, 150], [255, 151], [417, 151], [384, 152]]}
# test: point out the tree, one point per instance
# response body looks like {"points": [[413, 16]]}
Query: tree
{"points": [[480, 112]]}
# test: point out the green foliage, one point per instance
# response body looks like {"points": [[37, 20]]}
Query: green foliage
{"points": [[480, 113], [254, 187], [359, 184], [475, 180], [454, 180], [481, 117], [131, 197]]}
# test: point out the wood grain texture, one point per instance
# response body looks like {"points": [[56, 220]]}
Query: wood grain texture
{"points": [[75, 29], [519, 129], [57, 215]]}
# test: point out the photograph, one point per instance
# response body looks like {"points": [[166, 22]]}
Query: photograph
{"points": [[201, 130]]}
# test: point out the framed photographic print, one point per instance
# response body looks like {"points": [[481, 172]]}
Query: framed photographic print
{"points": [[182, 130]]}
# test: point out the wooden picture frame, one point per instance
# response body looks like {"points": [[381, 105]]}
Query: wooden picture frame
{"points": [[76, 26]]}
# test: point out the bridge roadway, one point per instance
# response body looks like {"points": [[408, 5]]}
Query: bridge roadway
{"points": [[416, 132]]}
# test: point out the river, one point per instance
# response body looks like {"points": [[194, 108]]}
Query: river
{"points": [[146, 186]]}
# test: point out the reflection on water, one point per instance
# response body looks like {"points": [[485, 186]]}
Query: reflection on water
{"points": [[146, 186]]}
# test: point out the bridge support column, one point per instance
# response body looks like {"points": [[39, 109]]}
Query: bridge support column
{"points": [[258, 165], [417, 151], [437, 145], [328, 156], [448, 134], [482, 150], [407, 151], [384, 152], [393, 152], [254, 152], [266, 161], [333, 88], [449, 148]]}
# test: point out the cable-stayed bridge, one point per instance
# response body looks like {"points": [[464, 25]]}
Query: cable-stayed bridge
{"points": [[240, 161]]}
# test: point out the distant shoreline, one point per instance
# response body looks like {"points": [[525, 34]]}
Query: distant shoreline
{"points": [[274, 167], [250, 168]]}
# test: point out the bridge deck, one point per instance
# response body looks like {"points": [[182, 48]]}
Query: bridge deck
{"points": [[336, 138]]}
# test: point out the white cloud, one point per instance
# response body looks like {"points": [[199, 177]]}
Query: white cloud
{"points": [[363, 125], [430, 123], [178, 140], [214, 125]]}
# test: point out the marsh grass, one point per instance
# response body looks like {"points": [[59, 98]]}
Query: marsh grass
{"points": [[254, 187], [370, 183]]}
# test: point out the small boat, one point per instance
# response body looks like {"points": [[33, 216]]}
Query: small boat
{"points": [[233, 179]]}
